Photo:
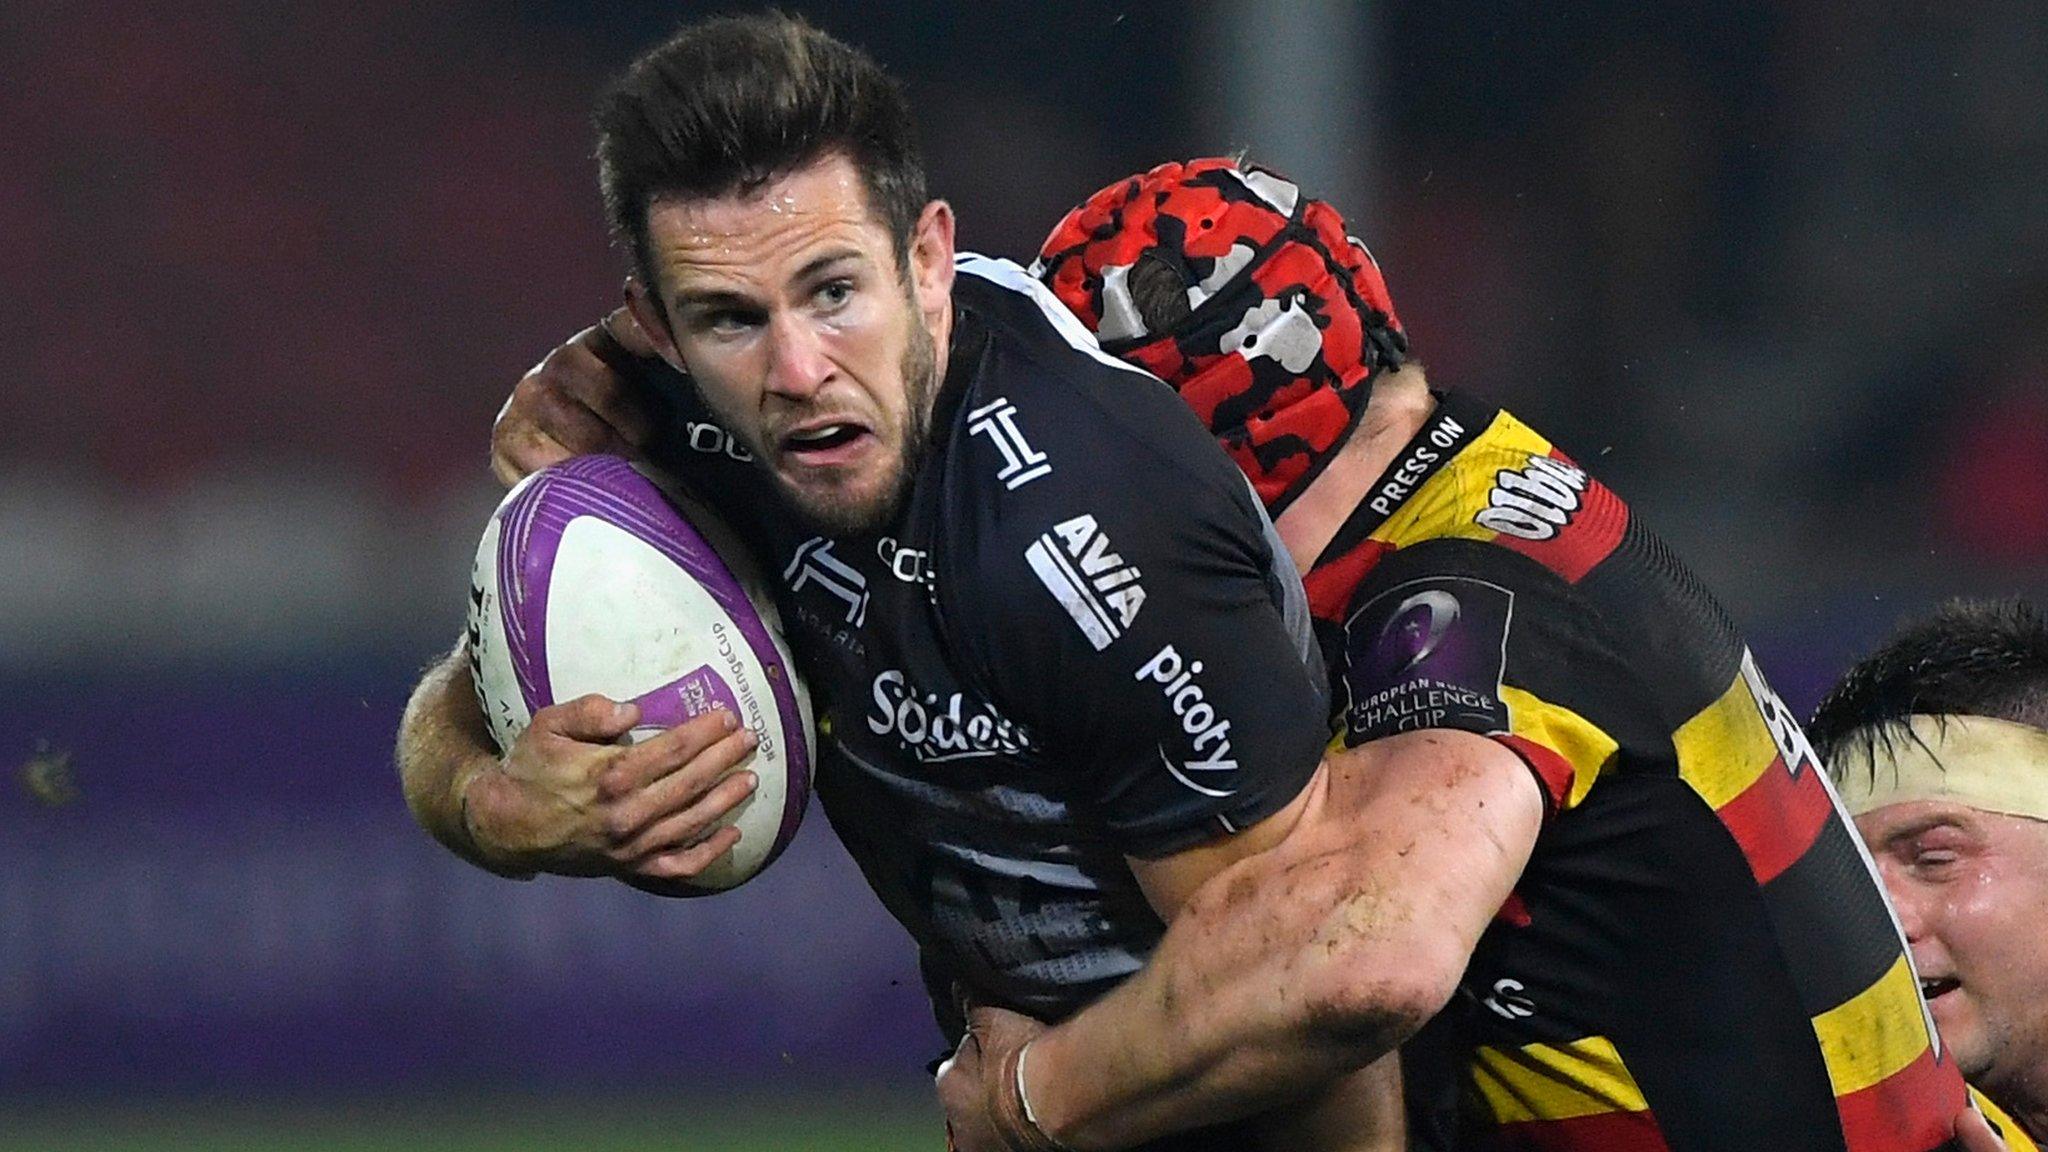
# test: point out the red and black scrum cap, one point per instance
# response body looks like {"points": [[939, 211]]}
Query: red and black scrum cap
{"points": [[1287, 318]]}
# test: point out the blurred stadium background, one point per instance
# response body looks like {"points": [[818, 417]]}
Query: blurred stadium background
{"points": [[1778, 270]]}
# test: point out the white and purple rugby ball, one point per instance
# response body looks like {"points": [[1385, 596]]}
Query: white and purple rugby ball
{"points": [[589, 579]]}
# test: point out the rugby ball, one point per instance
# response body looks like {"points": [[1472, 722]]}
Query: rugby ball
{"points": [[589, 578]]}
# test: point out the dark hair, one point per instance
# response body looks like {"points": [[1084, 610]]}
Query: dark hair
{"points": [[1158, 294], [1970, 658], [729, 104]]}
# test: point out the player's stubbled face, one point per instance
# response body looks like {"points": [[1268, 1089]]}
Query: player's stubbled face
{"points": [[1970, 887], [789, 307]]}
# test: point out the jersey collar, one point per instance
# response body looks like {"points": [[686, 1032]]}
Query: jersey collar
{"points": [[1456, 422]]}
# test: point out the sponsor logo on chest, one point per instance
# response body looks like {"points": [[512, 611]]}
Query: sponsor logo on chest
{"points": [[910, 565], [1090, 580], [937, 728]]}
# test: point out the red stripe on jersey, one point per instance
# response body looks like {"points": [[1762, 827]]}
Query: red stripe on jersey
{"points": [[1585, 540], [1607, 1131], [1911, 1110], [1330, 584], [1513, 912], [1552, 771], [1777, 818]]}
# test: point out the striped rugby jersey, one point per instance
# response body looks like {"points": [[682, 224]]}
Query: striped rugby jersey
{"points": [[2016, 1138], [1698, 955]]}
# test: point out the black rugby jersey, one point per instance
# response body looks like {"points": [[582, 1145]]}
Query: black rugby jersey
{"points": [[1698, 956], [1078, 641]]}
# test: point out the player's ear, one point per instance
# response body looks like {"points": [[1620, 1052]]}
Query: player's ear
{"points": [[931, 258], [653, 320]]}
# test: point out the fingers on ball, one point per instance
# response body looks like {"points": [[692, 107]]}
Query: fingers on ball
{"points": [[687, 863], [707, 744], [693, 826], [678, 811], [592, 718]]}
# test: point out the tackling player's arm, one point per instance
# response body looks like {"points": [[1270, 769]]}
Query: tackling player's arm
{"points": [[1304, 962], [568, 799], [589, 395], [1361, 1112]]}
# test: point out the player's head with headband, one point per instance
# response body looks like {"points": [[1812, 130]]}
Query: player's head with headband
{"points": [[1971, 661], [1251, 299], [1938, 744]]}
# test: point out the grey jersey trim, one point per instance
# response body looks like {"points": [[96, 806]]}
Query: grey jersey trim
{"points": [[1283, 580]]}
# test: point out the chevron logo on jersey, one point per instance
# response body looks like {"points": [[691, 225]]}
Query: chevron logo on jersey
{"points": [[1097, 587], [814, 563]]}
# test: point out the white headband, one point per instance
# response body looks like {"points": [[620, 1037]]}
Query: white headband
{"points": [[1995, 765]]}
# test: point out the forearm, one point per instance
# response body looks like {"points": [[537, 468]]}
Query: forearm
{"points": [[443, 746], [1250, 1002], [1363, 1112], [1300, 964]]}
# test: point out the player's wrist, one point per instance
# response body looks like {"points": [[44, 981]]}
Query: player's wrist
{"points": [[484, 851], [1015, 1119]]}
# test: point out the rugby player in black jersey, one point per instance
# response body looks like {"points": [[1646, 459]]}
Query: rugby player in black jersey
{"points": [[1680, 957], [1566, 778], [1063, 673]]}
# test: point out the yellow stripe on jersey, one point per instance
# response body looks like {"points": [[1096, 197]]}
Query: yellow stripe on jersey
{"points": [[1581, 742], [1875, 1033], [1725, 747], [2016, 1138], [1554, 1082], [1444, 507]]}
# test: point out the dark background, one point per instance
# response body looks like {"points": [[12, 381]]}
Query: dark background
{"points": [[1779, 272]]}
